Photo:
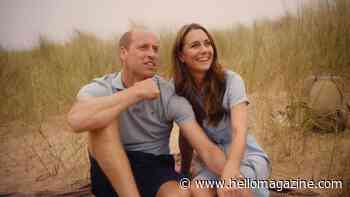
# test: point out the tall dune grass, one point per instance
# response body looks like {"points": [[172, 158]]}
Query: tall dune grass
{"points": [[273, 57], [45, 79]]}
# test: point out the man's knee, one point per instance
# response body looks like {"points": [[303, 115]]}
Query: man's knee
{"points": [[172, 189], [104, 138], [202, 192]]}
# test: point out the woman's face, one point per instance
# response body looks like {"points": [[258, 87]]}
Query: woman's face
{"points": [[197, 52]]}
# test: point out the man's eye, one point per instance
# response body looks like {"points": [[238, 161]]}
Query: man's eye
{"points": [[155, 49], [143, 47]]}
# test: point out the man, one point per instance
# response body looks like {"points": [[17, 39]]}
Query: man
{"points": [[129, 117]]}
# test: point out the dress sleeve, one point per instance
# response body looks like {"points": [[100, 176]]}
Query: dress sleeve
{"points": [[236, 90]]}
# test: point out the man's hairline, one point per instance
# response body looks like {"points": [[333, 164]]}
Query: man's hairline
{"points": [[131, 33]]}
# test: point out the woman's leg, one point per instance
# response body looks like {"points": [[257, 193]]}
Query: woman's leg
{"points": [[256, 168]]}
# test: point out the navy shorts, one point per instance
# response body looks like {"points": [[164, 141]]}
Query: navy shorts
{"points": [[150, 172]]}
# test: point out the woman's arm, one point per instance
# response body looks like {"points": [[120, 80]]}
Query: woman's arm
{"points": [[237, 148], [209, 152], [186, 151], [238, 144]]}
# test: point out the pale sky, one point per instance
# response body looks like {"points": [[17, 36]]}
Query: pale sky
{"points": [[22, 21]]}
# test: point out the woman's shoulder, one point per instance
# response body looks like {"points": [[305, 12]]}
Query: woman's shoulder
{"points": [[232, 76]]}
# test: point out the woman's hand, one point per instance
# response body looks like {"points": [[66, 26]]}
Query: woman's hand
{"points": [[232, 177]]}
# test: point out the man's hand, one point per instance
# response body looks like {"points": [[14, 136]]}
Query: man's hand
{"points": [[147, 89]]}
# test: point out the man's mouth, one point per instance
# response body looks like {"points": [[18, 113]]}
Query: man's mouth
{"points": [[150, 64]]}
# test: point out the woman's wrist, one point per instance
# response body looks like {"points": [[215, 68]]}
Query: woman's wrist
{"points": [[233, 163]]}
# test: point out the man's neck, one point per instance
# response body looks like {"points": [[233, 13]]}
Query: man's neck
{"points": [[129, 79]]}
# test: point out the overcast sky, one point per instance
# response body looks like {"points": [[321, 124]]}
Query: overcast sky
{"points": [[22, 21]]}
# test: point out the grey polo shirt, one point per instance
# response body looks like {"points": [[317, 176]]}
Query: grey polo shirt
{"points": [[145, 126]]}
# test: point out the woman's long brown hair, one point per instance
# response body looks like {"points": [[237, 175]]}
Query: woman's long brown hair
{"points": [[214, 81]]}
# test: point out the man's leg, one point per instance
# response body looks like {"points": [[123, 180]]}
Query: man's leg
{"points": [[172, 189], [106, 148], [202, 192], [155, 175]]}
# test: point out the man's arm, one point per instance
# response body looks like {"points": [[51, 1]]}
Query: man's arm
{"points": [[105, 146], [91, 113], [210, 153]]}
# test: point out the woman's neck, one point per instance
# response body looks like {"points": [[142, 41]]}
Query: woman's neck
{"points": [[199, 80]]}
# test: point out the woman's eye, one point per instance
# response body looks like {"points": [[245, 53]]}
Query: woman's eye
{"points": [[195, 45], [207, 43]]}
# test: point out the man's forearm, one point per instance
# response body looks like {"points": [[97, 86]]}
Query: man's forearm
{"points": [[96, 112], [106, 148]]}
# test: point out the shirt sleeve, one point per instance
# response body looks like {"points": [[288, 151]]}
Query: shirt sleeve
{"points": [[236, 90], [97, 88], [176, 108], [180, 110]]}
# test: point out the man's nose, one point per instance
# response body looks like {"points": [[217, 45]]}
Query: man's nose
{"points": [[152, 54]]}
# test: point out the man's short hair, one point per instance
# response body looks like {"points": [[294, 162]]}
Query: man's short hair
{"points": [[125, 40]]}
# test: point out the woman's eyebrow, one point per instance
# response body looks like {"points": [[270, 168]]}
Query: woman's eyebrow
{"points": [[193, 42]]}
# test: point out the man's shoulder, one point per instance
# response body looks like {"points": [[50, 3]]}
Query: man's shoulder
{"points": [[107, 78], [100, 86]]}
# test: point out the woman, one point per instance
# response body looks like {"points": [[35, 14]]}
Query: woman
{"points": [[219, 101]]}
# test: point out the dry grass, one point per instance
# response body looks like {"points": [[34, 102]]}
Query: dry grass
{"points": [[273, 57]]}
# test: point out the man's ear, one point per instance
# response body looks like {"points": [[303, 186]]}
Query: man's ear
{"points": [[123, 53]]}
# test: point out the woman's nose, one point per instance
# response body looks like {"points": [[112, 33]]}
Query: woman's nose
{"points": [[204, 48]]}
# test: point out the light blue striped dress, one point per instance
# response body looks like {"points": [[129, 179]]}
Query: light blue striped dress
{"points": [[255, 164]]}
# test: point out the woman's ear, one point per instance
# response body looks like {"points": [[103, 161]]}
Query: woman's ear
{"points": [[181, 57]]}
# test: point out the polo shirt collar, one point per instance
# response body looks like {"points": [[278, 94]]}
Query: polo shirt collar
{"points": [[117, 82]]}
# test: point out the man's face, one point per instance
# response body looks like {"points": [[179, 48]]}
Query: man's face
{"points": [[141, 58]]}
